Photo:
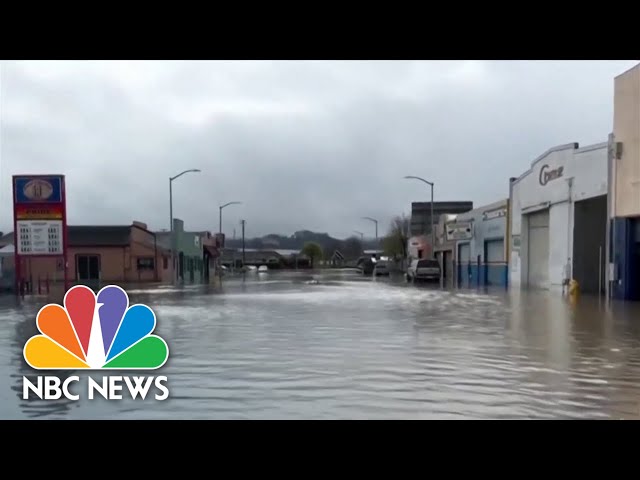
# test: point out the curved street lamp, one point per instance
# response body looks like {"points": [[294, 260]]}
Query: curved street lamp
{"points": [[374, 221], [171, 179], [359, 233], [433, 233], [221, 207]]}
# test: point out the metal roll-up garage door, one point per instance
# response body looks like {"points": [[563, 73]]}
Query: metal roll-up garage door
{"points": [[494, 259], [494, 251], [538, 255], [464, 253]]}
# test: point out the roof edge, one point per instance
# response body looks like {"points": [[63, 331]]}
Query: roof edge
{"points": [[557, 148], [628, 70], [594, 146]]}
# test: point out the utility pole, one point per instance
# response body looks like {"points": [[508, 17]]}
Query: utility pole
{"points": [[242, 222]]}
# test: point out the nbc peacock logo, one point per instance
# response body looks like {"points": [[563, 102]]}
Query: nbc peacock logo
{"points": [[96, 332]]}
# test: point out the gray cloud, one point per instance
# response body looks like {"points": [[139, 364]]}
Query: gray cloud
{"points": [[305, 145]]}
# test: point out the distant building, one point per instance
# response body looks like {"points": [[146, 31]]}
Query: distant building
{"points": [[280, 258], [100, 254], [195, 253], [418, 246], [421, 214]]}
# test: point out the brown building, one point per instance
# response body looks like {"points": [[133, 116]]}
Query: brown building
{"points": [[103, 254]]}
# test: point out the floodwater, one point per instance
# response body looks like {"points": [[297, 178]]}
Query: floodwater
{"points": [[274, 346]]}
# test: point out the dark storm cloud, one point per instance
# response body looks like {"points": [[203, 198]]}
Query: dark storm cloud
{"points": [[304, 145]]}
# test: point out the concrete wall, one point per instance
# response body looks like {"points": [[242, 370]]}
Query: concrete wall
{"points": [[583, 175], [626, 129]]}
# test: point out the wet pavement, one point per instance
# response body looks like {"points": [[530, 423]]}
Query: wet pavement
{"points": [[274, 346]]}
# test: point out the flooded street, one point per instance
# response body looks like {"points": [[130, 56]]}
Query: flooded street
{"points": [[274, 346]]}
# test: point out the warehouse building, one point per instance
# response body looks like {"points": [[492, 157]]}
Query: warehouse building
{"points": [[481, 246], [624, 189], [558, 221]]}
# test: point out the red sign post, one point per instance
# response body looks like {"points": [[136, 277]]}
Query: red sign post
{"points": [[39, 221]]}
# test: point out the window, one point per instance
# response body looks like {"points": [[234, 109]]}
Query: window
{"points": [[88, 267], [165, 263], [145, 263]]}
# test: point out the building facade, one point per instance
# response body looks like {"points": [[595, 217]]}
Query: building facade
{"points": [[195, 253], [446, 250], [481, 245], [558, 220], [100, 254], [624, 189], [418, 246]]}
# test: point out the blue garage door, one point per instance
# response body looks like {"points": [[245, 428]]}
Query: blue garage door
{"points": [[494, 261]]}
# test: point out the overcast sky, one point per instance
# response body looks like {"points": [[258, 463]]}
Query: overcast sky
{"points": [[304, 145]]}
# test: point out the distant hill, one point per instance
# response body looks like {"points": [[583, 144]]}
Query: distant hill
{"points": [[351, 247]]}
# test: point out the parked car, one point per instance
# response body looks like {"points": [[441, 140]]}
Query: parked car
{"points": [[366, 265], [381, 268], [423, 269]]}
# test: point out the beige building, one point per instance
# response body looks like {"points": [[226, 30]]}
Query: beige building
{"points": [[624, 188], [626, 135]]}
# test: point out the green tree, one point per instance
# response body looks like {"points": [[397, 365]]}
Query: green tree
{"points": [[395, 243], [313, 251]]}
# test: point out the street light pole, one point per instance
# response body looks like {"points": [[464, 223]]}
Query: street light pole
{"points": [[242, 222], [361, 235], [376, 222], [433, 232], [171, 179], [221, 207]]}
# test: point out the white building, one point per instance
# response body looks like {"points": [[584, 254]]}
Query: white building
{"points": [[559, 219]]}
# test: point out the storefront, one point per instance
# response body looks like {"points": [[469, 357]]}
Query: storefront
{"points": [[558, 223], [481, 246]]}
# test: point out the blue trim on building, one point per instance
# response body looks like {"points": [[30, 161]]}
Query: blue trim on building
{"points": [[483, 275], [626, 253]]}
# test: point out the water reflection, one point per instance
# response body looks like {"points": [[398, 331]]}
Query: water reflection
{"points": [[279, 346], [24, 328]]}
